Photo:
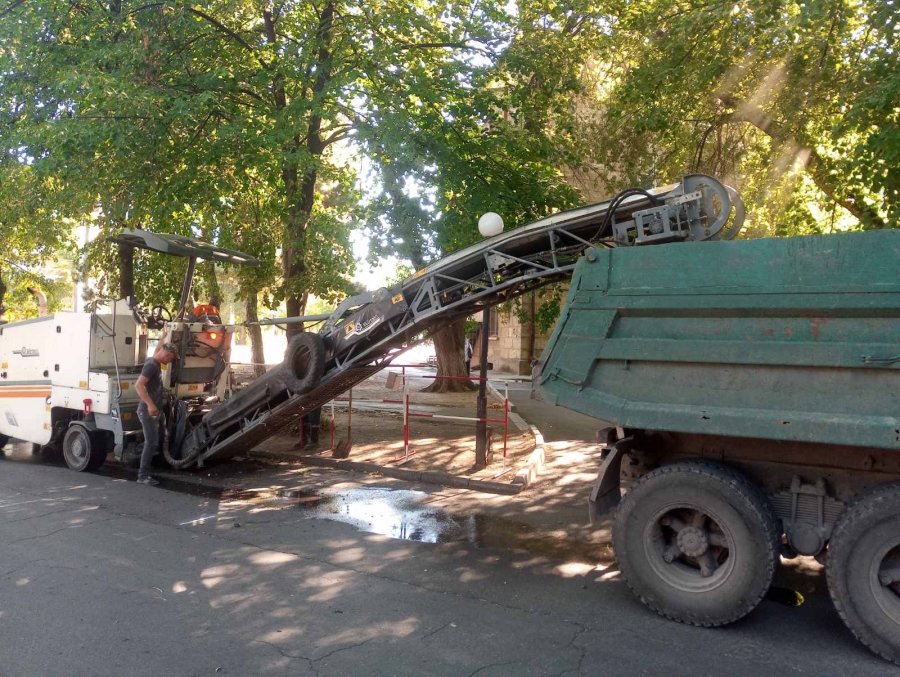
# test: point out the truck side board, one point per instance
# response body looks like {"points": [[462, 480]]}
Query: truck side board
{"points": [[792, 339]]}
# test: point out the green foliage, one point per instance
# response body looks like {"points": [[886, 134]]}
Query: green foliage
{"points": [[238, 121], [31, 234], [479, 134], [769, 95]]}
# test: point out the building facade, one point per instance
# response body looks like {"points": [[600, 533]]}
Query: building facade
{"points": [[513, 345]]}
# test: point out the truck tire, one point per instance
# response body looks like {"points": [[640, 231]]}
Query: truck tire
{"points": [[84, 450], [863, 569], [4, 440], [697, 542], [304, 362]]}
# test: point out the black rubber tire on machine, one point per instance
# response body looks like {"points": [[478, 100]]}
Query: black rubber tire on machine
{"points": [[304, 362], [4, 440], [83, 450], [863, 569], [697, 542]]}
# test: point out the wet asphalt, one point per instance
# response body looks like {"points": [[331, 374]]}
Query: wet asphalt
{"points": [[100, 576]]}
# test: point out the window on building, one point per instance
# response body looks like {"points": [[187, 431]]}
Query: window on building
{"points": [[493, 324]]}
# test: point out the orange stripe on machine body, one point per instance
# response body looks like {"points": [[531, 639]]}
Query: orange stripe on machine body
{"points": [[19, 391]]}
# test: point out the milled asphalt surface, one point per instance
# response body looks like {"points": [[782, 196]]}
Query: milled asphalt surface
{"points": [[100, 576]]}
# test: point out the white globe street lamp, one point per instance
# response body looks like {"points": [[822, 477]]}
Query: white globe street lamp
{"points": [[490, 224]]}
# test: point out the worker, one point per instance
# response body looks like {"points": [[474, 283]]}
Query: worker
{"points": [[208, 312], [149, 388], [468, 355]]}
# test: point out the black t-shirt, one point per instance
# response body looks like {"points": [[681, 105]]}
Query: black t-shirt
{"points": [[153, 373]]}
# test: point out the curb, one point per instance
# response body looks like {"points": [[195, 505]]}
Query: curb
{"points": [[498, 395], [535, 465], [425, 476]]}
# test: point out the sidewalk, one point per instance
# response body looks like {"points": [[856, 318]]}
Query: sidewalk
{"points": [[445, 449], [556, 504]]}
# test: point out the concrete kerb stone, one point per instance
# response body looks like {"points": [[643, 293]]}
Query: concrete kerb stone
{"points": [[495, 392], [426, 476], [519, 422], [535, 465]]}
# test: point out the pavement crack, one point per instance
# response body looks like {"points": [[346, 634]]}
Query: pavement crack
{"points": [[21, 566], [69, 526], [343, 648], [580, 630], [68, 508], [436, 631], [492, 665], [287, 654]]}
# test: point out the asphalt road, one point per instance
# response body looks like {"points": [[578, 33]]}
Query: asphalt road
{"points": [[99, 576]]}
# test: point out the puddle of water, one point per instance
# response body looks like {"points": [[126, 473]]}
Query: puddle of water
{"points": [[402, 514], [397, 513]]}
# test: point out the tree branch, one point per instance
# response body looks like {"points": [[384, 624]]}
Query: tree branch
{"points": [[812, 162], [222, 28], [11, 8]]}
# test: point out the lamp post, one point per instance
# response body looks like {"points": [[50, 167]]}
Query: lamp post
{"points": [[489, 225]]}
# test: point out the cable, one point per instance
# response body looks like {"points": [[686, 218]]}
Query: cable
{"points": [[614, 205]]}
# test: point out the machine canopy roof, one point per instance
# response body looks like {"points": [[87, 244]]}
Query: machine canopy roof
{"points": [[179, 245]]}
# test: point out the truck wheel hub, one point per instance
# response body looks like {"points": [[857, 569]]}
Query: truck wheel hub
{"points": [[78, 449], [693, 541]]}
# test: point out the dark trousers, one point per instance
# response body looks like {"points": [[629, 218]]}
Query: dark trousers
{"points": [[310, 425], [150, 427], [468, 366]]}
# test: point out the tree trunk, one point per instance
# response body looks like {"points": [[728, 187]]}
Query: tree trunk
{"points": [[251, 314], [300, 188], [450, 346], [207, 271], [2, 294], [126, 271]]}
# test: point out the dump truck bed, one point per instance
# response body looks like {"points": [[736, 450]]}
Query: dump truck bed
{"points": [[783, 339]]}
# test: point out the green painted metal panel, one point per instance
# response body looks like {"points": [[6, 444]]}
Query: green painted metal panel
{"points": [[785, 339]]}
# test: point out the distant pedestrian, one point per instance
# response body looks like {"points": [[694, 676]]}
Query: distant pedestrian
{"points": [[149, 388], [310, 424], [468, 355]]}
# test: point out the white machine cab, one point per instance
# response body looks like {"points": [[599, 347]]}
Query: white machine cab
{"points": [[67, 379]]}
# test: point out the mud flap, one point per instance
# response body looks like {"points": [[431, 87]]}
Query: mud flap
{"points": [[606, 494]]}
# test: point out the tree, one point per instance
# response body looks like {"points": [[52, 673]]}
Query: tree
{"points": [[30, 234], [447, 154], [791, 101], [129, 101]]}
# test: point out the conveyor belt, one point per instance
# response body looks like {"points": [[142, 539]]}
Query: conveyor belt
{"points": [[267, 423], [367, 331]]}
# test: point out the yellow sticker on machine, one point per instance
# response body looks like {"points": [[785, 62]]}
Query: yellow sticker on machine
{"points": [[193, 387], [348, 328], [126, 415], [125, 385], [82, 384], [5, 365], [397, 299]]}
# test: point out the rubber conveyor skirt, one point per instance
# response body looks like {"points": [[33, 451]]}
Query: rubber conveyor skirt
{"points": [[268, 424]]}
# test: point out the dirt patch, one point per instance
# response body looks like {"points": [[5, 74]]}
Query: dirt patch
{"points": [[441, 446]]}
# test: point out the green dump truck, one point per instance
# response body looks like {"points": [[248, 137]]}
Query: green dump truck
{"points": [[753, 392]]}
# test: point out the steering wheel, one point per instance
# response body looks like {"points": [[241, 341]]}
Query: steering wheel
{"points": [[161, 314]]}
